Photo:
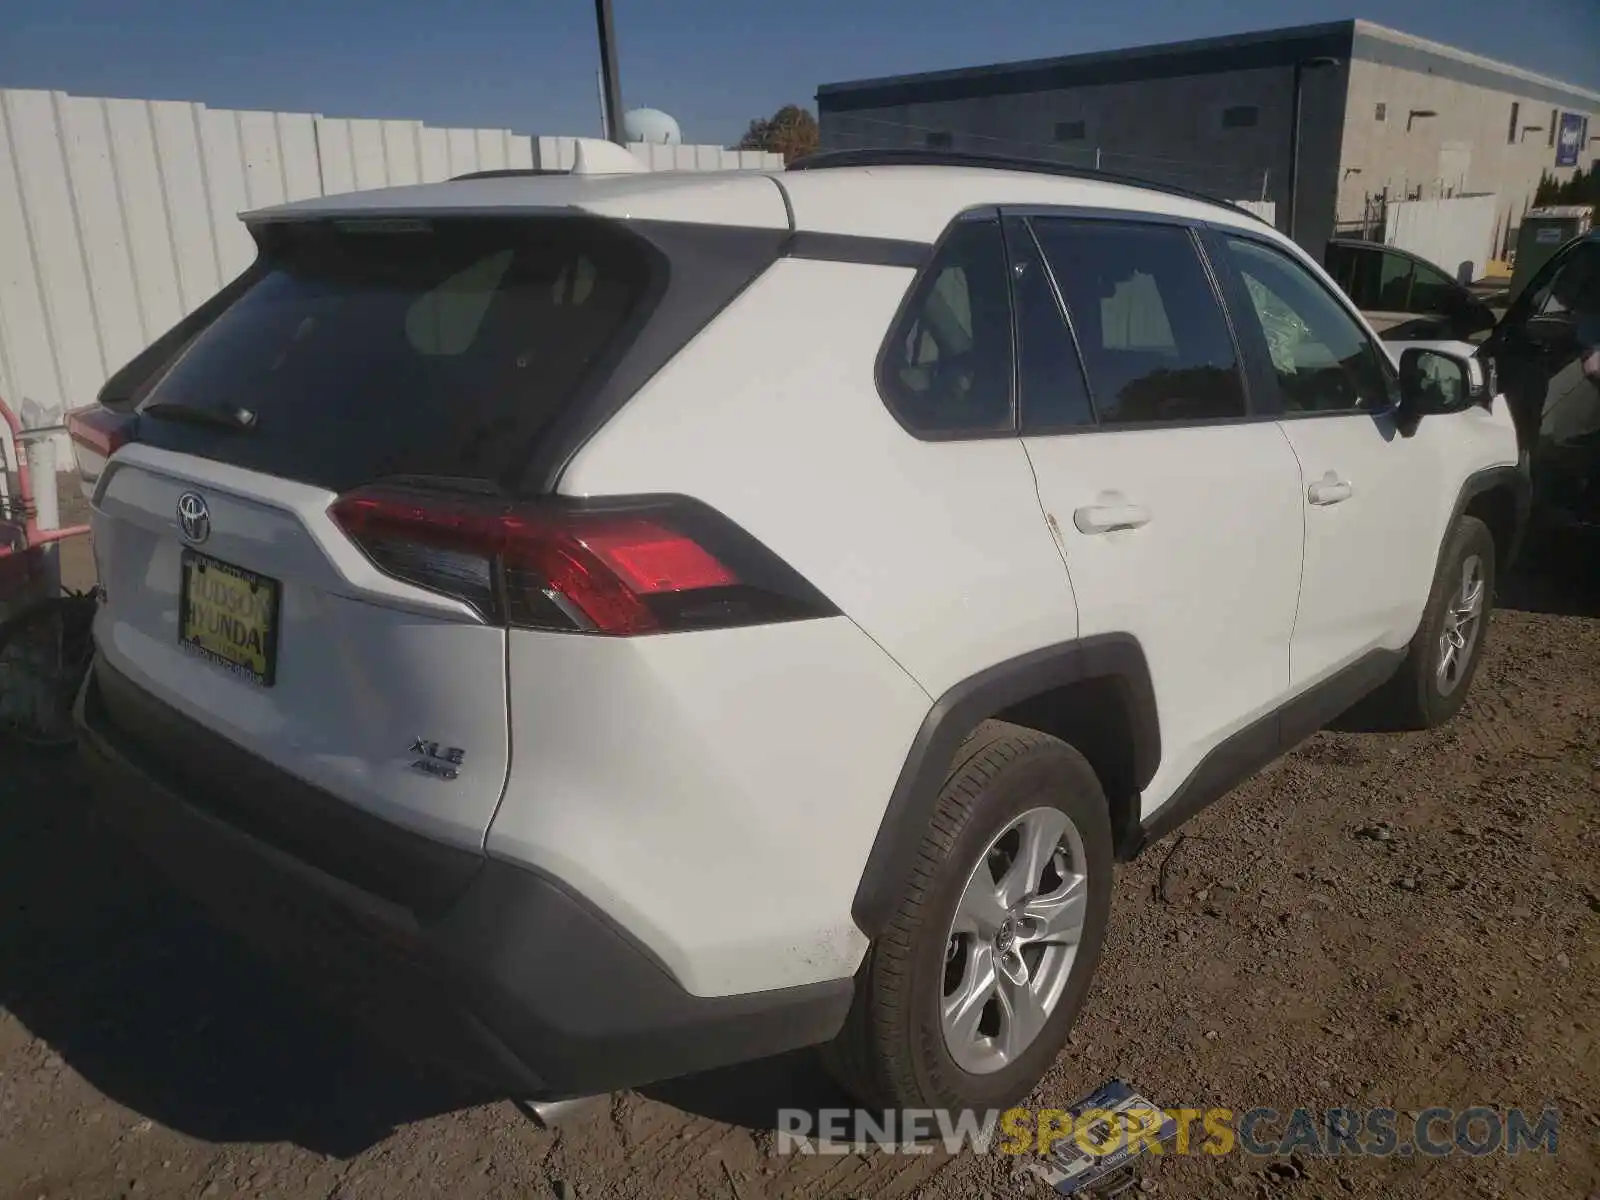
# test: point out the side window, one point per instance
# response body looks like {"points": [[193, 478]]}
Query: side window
{"points": [[1051, 392], [1340, 263], [1433, 291], [947, 367], [1574, 287], [1155, 342], [1394, 284], [1363, 289], [1324, 360]]}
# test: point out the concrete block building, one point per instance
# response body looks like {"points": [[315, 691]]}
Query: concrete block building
{"points": [[1382, 116]]}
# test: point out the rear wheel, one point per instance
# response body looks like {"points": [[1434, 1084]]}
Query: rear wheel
{"points": [[967, 996]]}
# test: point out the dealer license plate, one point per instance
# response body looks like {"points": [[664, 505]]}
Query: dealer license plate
{"points": [[230, 616]]}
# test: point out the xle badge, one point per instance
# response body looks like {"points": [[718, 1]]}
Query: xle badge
{"points": [[442, 762]]}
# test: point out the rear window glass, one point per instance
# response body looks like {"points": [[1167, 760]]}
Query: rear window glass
{"points": [[403, 346]]}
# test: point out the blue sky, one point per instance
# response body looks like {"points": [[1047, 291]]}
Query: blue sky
{"points": [[529, 64]]}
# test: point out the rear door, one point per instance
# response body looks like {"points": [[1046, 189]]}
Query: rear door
{"points": [[1176, 507], [399, 351]]}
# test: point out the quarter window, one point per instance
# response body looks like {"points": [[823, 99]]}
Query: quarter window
{"points": [[1324, 360], [1155, 342], [947, 367]]}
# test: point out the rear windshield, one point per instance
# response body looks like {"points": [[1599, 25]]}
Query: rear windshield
{"points": [[402, 347]]}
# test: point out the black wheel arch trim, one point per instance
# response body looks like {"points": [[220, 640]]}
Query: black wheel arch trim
{"points": [[1517, 482], [1114, 656]]}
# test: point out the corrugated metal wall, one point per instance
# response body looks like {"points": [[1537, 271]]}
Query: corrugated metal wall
{"points": [[117, 217]]}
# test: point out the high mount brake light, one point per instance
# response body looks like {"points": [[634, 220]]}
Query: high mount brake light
{"points": [[622, 568]]}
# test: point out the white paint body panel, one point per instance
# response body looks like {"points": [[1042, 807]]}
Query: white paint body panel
{"points": [[715, 793], [1208, 586], [1370, 560], [365, 663], [936, 549]]}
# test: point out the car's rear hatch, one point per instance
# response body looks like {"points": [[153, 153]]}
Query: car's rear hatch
{"points": [[419, 352]]}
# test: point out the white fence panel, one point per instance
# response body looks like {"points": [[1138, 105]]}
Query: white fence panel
{"points": [[297, 154], [219, 138], [183, 187], [62, 283], [28, 359], [155, 271], [106, 255], [1456, 234], [402, 162], [366, 147], [118, 217], [334, 153], [434, 148]]}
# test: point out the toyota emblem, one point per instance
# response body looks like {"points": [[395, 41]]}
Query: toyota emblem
{"points": [[194, 518]]}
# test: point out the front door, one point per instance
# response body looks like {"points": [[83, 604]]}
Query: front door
{"points": [[1177, 514], [1370, 543]]}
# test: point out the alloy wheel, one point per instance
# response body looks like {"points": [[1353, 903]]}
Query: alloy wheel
{"points": [[1013, 940], [1463, 618]]}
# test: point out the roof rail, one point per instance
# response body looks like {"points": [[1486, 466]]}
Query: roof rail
{"points": [[506, 173], [912, 157]]}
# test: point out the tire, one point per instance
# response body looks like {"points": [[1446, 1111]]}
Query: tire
{"points": [[893, 1051], [45, 649], [1419, 696]]}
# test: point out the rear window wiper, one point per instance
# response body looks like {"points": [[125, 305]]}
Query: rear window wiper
{"points": [[234, 420]]}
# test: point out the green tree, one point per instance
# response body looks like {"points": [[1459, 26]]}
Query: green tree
{"points": [[791, 132]]}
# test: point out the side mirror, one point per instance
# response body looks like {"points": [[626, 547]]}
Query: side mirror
{"points": [[1432, 381]]}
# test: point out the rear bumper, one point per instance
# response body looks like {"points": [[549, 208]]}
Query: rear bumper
{"points": [[512, 979]]}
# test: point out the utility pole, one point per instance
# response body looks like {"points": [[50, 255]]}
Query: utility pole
{"points": [[610, 84]]}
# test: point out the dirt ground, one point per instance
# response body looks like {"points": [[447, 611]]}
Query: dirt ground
{"points": [[1398, 920]]}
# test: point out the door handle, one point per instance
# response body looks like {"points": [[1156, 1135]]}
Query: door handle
{"points": [[1103, 518], [1330, 489]]}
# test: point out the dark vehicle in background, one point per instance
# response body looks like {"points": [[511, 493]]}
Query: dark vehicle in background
{"points": [[1547, 352], [1406, 298]]}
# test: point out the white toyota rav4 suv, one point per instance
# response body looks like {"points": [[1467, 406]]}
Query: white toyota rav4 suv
{"points": [[630, 623]]}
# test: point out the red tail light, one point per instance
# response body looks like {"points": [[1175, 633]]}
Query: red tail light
{"points": [[634, 567], [100, 430]]}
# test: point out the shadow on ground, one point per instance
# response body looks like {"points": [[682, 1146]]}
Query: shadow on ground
{"points": [[750, 1094], [1559, 576], [163, 1013], [174, 1019]]}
